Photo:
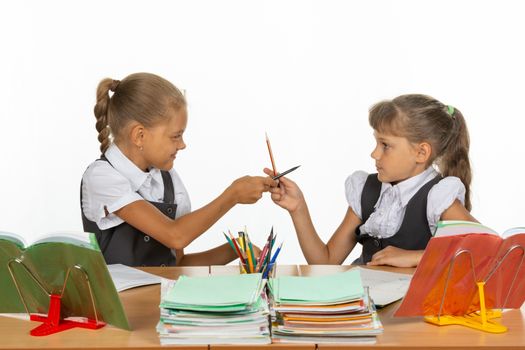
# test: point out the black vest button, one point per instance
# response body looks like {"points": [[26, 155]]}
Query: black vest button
{"points": [[376, 242], [146, 239], [170, 210]]}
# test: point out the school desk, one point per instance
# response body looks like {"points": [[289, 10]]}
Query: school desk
{"points": [[141, 305]]}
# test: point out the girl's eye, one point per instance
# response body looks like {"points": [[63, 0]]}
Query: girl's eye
{"points": [[385, 146]]}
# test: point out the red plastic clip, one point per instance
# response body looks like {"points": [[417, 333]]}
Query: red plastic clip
{"points": [[52, 323]]}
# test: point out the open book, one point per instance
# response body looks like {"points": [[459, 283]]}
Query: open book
{"points": [[459, 255], [40, 268]]}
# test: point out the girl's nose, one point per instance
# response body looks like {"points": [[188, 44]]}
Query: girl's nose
{"points": [[182, 144], [375, 154]]}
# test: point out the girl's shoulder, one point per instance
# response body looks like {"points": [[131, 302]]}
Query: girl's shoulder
{"points": [[357, 179], [99, 167], [441, 196], [101, 172], [449, 183], [354, 185], [448, 189]]}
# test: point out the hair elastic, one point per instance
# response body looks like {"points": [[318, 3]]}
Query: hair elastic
{"points": [[114, 84], [450, 110]]}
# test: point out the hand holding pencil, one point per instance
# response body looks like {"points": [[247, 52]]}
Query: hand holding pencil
{"points": [[287, 195], [249, 189]]}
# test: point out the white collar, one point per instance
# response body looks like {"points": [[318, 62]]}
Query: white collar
{"points": [[129, 170], [406, 189]]}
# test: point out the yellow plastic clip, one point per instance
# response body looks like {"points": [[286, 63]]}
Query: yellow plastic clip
{"points": [[480, 320]]}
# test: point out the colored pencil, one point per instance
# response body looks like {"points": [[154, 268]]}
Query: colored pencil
{"points": [[271, 155]]}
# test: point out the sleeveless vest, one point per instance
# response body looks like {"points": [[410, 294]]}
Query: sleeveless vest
{"points": [[413, 234], [124, 244]]}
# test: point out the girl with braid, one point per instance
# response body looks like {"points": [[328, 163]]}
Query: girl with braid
{"points": [[132, 198], [423, 176]]}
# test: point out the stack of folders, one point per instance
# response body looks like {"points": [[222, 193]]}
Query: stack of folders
{"points": [[323, 309], [215, 310]]}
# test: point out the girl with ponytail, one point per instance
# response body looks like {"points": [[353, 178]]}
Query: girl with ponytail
{"points": [[132, 198], [423, 176]]}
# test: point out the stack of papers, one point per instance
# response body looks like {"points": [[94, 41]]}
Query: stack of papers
{"points": [[323, 309], [215, 310]]}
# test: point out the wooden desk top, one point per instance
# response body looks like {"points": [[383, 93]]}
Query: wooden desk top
{"points": [[141, 305]]}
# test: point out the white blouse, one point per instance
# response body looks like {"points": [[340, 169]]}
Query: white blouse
{"points": [[113, 186], [390, 208]]}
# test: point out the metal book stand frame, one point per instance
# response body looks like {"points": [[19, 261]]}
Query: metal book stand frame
{"points": [[482, 319], [53, 323]]}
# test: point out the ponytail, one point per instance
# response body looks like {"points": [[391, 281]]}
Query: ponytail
{"points": [[101, 112], [454, 160]]}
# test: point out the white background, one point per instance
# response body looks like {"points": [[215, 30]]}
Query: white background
{"points": [[306, 72]]}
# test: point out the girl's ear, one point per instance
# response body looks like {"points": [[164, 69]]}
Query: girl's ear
{"points": [[424, 151], [136, 134]]}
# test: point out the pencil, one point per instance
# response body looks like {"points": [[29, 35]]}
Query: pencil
{"points": [[252, 254], [285, 172], [260, 261], [234, 241], [266, 249], [276, 254], [230, 242], [249, 254], [271, 155]]}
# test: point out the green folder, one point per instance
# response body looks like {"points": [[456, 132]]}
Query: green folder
{"points": [[318, 289], [214, 293], [48, 260]]}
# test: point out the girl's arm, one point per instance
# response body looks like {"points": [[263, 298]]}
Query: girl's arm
{"points": [[289, 196], [394, 256], [457, 212], [220, 255], [338, 247], [179, 233]]}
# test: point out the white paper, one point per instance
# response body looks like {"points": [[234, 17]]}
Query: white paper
{"points": [[385, 287], [125, 277]]}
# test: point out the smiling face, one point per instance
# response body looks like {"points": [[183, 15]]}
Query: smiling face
{"points": [[396, 158], [162, 141]]}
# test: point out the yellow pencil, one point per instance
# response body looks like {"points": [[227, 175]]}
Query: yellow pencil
{"points": [[249, 256]]}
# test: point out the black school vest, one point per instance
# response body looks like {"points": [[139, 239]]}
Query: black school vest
{"points": [[413, 233], [124, 244]]}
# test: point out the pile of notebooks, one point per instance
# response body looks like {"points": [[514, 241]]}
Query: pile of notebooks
{"points": [[215, 310], [323, 309]]}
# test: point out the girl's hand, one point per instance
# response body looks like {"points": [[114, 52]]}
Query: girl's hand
{"points": [[287, 195], [398, 257], [249, 189]]}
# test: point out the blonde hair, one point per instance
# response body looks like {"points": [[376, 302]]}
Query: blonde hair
{"points": [[142, 97], [421, 118]]}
